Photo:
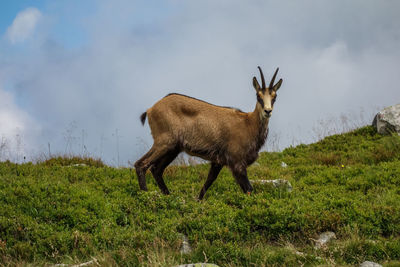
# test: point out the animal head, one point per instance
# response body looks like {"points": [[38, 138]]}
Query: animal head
{"points": [[266, 96]]}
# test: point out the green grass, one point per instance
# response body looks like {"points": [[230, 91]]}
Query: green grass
{"points": [[51, 212]]}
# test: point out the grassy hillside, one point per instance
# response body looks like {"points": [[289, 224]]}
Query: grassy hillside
{"points": [[58, 212]]}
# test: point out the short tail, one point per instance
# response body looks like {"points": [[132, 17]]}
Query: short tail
{"points": [[143, 117]]}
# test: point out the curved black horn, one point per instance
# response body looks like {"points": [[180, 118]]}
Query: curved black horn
{"points": [[271, 84], [262, 78]]}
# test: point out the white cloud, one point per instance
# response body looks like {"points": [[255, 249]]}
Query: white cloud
{"points": [[17, 129], [23, 25]]}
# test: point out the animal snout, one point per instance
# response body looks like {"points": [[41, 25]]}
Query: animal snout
{"points": [[268, 112]]}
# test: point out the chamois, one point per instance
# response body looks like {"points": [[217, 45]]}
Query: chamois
{"points": [[222, 135]]}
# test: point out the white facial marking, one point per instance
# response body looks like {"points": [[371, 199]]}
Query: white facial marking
{"points": [[267, 99]]}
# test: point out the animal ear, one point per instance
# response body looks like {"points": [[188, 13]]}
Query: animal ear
{"points": [[256, 84], [277, 85]]}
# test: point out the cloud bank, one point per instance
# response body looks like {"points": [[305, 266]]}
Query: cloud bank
{"points": [[334, 57]]}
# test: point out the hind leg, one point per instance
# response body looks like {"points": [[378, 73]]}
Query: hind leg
{"points": [[151, 157], [157, 169], [141, 171]]}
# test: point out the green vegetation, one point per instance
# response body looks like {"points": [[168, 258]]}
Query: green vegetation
{"points": [[61, 211]]}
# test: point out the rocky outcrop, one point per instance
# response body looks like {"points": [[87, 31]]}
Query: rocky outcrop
{"points": [[387, 121]]}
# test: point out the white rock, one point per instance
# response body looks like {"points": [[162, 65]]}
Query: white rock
{"points": [[79, 165], [198, 265], [370, 264], [298, 253], [283, 164], [185, 249], [276, 183], [387, 120], [324, 238], [92, 262]]}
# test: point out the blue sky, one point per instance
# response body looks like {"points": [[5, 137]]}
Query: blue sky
{"points": [[73, 73]]}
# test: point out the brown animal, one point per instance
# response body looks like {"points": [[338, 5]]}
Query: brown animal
{"points": [[222, 135]]}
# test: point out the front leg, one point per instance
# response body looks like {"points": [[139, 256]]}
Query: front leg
{"points": [[240, 174], [212, 175]]}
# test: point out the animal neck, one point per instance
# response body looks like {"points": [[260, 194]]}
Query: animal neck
{"points": [[261, 124]]}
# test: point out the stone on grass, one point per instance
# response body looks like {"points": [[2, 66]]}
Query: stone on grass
{"points": [[387, 121], [370, 264], [283, 164], [198, 265], [324, 238], [92, 263], [278, 183], [185, 249]]}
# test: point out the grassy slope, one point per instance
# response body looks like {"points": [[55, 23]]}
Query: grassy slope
{"points": [[347, 183]]}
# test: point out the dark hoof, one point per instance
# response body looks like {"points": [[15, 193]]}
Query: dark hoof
{"points": [[165, 192]]}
